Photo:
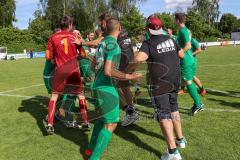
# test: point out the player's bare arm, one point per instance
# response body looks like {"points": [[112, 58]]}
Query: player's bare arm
{"points": [[111, 71], [187, 46], [93, 43], [181, 54], [197, 51], [140, 57], [79, 41]]}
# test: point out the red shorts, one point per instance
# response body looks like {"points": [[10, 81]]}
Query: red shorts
{"points": [[67, 83]]}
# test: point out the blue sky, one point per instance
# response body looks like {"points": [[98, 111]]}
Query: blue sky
{"points": [[26, 8]]}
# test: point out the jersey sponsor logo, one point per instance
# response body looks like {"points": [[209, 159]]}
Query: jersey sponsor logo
{"points": [[166, 46], [99, 56]]}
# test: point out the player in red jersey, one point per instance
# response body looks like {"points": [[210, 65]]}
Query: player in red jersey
{"points": [[66, 78]]}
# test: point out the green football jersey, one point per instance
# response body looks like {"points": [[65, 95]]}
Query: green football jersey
{"points": [[194, 44], [108, 50], [174, 37], [184, 37], [86, 47]]}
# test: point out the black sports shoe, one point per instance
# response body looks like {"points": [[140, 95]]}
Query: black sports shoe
{"points": [[86, 126], [194, 110], [50, 129], [131, 116], [71, 124]]}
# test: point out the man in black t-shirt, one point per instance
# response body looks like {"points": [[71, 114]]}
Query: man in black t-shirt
{"points": [[125, 93], [162, 55]]}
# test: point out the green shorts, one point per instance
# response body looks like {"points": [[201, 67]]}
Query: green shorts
{"points": [[195, 66], [187, 73], [85, 67], [107, 102]]}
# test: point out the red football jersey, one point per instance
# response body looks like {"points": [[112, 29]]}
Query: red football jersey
{"points": [[62, 49]]}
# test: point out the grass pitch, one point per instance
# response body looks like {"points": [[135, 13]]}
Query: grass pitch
{"points": [[212, 135]]}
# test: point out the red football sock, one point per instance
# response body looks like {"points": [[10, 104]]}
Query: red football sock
{"points": [[51, 111], [83, 110]]}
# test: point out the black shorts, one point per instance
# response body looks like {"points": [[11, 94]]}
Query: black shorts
{"points": [[164, 105]]}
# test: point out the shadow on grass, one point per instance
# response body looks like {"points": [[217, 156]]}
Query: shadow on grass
{"points": [[37, 108], [224, 94], [225, 103], [125, 134]]}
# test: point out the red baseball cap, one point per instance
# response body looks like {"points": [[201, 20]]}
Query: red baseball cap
{"points": [[155, 25]]}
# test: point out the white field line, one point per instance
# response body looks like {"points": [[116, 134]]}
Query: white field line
{"points": [[21, 96], [215, 110], [207, 109], [218, 65], [18, 89]]}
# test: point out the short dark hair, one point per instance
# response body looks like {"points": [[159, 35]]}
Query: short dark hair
{"points": [[57, 30], [105, 16], [112, 25], [181, 17], [65, 21], [89, 32]]}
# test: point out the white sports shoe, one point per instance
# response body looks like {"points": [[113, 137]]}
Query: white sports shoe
{"points": [[174, 156], [182, 143]]}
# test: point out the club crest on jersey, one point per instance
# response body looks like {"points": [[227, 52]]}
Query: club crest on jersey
{"points": [[166, 46]]}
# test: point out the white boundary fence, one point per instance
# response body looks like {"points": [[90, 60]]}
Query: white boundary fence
{"points": [[207, 44], [135, 48], [25, 55]]}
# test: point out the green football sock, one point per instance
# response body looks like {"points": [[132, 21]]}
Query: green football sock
{"points": [[201, 87], [68, 104], [102, 142], [98, 126], [192, 90]]}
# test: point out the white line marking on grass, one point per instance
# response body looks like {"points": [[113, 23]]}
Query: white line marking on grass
{"points": [[216, 110], [208, 109], [219, 65], [21, 96], [17, 89]]}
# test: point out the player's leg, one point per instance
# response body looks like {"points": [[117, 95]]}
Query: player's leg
{"points": [[76, 88], [187, 75], [201, 90], [131, 114], [83, 111], [69, 109], [110, 117], [176, 119], [196, 80], [163, 115], [51, 112]]}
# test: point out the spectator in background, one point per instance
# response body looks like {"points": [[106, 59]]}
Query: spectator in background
{"points": [[99, 33], [31, 53]]}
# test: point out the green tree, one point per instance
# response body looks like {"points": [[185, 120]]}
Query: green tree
{"points": [[228, 23], [208, 9], [134, 22], [17, 40], [54, 11], [40, 28], [122, 7], [199, 28], [168, 21], [7, 12]]}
